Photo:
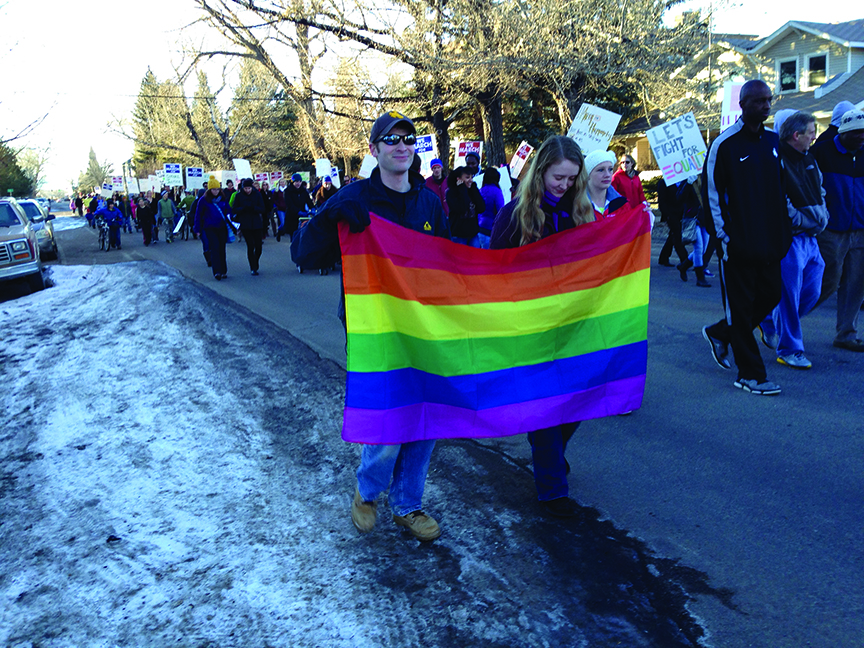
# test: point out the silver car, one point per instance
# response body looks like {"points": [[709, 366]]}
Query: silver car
{"points": [[42, 225], [19, 247]]}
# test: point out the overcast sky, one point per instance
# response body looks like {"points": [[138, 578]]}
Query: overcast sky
{"points": [[81, 63]]}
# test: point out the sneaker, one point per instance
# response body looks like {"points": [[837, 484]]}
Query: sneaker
{"points": [[770, 340], [363, 513], [795, 360], [559, 507], [766, 388], [850, 345], [421, 526], [719, 350], [708, 273]]}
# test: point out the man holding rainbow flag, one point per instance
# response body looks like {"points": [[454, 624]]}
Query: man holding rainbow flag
{"points": [[448, 341]]}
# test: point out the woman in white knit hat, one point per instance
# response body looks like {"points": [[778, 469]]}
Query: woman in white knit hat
{"points": [[600, 166]]}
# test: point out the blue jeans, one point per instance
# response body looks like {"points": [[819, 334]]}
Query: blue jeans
{"points": [[405, 465], [280, 216], [485, 240], [550, 467]]}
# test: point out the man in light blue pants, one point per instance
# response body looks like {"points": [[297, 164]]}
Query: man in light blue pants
{"points": [[802, 267]]}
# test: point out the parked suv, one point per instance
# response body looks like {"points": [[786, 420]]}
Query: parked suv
{"points": [[40, 220], [19, 248]]}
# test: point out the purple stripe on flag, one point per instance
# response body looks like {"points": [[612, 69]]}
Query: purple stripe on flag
{"points": [[435, 421]]}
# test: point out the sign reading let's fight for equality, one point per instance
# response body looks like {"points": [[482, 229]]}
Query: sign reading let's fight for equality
{"points": [[679, 148]]}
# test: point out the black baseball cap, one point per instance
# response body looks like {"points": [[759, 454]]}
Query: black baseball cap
{"points": [[386, 122]]}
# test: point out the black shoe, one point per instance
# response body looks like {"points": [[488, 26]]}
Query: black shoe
{"points": [[278, 238], [560, 507], [719, 350], [254, 273], [702, 283], [218, 277], [683, 268]]}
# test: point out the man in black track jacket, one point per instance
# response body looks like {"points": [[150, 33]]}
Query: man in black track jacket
{"points": [[744, 193]]}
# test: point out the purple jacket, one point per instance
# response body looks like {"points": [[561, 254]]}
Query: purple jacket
{"points": [[493, 196]]}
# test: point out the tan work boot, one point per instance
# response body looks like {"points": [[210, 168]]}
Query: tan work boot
{"points": [[421, 526], [363, 513]]}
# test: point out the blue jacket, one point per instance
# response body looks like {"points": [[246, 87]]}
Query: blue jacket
{"points": [[843, 180], [207, 214], [805, 197], [113, 217], [317, 244]]}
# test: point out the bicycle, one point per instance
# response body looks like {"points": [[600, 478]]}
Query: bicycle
{"points": [[104, 235]]}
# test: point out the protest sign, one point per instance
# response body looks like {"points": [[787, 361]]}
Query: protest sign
{"points": [[262, 177], [369, 163], [105, 191], [243, 168], [275, 177], [505, 183], [426, 149], [194, 177], [144, 185], [132, 186], [117, 183], [155, 182], [679, 148], [520, 157], [730, 111], [334, 177], [464, 148], [322, 168], [593, 128], [173, 175]]}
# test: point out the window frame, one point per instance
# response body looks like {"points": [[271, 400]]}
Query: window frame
{"points": [[824, 53], [780, 62]]}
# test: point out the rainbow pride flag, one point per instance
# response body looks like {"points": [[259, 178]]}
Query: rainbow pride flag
{"points": [[448, 341]]}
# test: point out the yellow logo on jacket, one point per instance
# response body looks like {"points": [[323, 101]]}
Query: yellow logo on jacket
{"points": [[427, 227]]}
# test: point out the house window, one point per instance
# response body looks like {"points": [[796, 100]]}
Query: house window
{"points": [[817, 73], [789, 76]]}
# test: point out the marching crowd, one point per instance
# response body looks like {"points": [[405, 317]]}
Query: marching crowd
{"points": [[785, 220]]}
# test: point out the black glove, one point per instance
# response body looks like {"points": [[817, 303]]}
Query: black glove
{"points": [[353, 213]]}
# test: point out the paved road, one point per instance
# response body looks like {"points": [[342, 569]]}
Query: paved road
{"points": [[752, 503]]}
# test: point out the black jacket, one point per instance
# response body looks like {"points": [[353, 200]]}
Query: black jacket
{"points": [[465, 206], [317, 244], [744, 194], [805, 197], [296, 200], [249, 210]]}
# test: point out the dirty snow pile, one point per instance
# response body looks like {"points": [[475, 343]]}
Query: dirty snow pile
{"points": [[172, 474]]}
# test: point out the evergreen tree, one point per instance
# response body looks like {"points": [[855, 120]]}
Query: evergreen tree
{"points": [[96, 173]]}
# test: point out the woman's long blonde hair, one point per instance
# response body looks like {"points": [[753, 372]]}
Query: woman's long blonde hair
{"points": [[528, 212]]}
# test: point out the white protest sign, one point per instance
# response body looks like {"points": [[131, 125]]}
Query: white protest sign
{"points": [[275, 177], [369, 163], [144, 186], [155, 184], [117, 183], [322, 168], [194, 177], [425, 148], [334, 178], [520, 157], [243, 168], [464, 148], [173, 174], [679, 148], [262, 177], [730, 111], [593, 128], [505, 183], [105, 191], [132, 185]]}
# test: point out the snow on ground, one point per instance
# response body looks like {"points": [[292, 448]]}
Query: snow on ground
{"points": [[172, 473], [63, 223]]}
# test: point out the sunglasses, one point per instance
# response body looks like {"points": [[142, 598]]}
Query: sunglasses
{"points": [[393, 140]]}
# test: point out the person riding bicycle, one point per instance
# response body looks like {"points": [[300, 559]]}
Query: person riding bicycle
{"points": [[113, 217], [165, 211]]}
